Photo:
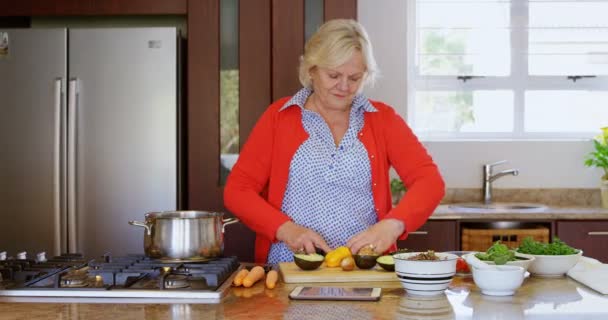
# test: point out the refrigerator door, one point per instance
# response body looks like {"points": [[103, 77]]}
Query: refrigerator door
{"points": [[124, 151], [31, 110]]}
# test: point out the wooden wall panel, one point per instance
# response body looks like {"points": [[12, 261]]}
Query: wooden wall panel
{"points": [[254, 97], [254, 63], [203, 128], [334, 9], [91, 7], [287, 46]]}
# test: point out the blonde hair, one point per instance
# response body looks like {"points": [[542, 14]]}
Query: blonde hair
{"points": [[333, 44]]}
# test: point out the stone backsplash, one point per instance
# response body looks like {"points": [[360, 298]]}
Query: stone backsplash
{"points": [[553, 197]]}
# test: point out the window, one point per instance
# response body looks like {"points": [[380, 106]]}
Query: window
{"points": [[514, 69], [229, 86]]}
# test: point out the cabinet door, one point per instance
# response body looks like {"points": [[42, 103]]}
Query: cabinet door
{"points": [[589, 236], [433, 235]]}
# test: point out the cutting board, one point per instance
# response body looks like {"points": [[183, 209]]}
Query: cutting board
{"points": [[293, 274]]}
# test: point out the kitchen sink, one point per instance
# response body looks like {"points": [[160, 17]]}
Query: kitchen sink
{"points": [[499, 206]]}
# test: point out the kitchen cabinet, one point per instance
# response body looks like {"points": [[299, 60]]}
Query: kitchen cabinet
{"points": [[591, 236], [84, 8], [438, 235]]}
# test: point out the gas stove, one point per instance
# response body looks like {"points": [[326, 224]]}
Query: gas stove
{"points": [[126, 277]]}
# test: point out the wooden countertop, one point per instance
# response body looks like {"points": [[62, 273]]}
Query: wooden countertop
{"points": [[445, 212], [555, 299]]}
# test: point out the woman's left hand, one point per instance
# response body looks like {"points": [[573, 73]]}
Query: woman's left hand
{"points": [[380, 237]]}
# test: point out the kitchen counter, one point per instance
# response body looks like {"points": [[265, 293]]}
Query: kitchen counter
{"points": [[561, 298], [445, 212]]}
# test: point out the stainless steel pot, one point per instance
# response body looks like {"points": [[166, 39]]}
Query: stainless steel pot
{"points": [[184, 235]]}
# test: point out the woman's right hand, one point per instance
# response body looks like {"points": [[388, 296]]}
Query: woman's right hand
{"points": [[299, 238]]}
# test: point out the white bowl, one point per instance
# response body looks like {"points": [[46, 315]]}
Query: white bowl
{"points": [[521, 263], [552, 266], [425, 277], [499, 280]]}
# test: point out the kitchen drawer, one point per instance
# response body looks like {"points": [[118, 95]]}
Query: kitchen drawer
{"points": [[433, 235], [590, 236]]}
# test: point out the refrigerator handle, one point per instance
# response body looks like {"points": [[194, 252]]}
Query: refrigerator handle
{"points": [[72, 155], [57, 172]]}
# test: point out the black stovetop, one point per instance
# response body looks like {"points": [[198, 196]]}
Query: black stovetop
{"points": [[131, 272]]}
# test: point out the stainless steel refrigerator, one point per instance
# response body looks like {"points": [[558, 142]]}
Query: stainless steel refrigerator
{"points": [[88, 137]]}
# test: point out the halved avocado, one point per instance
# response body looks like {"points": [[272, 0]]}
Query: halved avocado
{"points": [[309, 261], [386, 262], [365, 261], [320, 251]]}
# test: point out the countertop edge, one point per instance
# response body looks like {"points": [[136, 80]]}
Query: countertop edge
{"points": [[444, 212]]}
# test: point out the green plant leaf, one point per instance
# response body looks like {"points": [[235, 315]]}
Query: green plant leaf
{"points": [[397, 186], [599, 157], [557, 247], [498, 252]]}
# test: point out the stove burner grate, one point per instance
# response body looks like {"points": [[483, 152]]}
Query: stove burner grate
{"points": [[73, 281], [174, 281]]}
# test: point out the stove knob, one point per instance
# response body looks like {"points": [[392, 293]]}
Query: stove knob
{"points": [[22, 255], [41, 257], [2, 255]]}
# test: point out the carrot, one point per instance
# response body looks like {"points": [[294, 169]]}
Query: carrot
{"points": [[253, 276], [271, 279], [238, 279]]}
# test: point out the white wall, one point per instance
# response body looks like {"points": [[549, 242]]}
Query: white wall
{"points": [[542, 164]]}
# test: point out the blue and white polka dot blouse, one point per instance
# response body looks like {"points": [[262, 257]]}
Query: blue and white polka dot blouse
{"points": [[329, 188]]}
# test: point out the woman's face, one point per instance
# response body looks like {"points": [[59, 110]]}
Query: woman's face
{"points": [[335, 88]]}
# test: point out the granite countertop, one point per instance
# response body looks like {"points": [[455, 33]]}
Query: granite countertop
{"points": [[561, 298], [445, 211]]}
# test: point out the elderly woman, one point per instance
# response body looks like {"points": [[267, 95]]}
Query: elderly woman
{"points": [[314, 172]]}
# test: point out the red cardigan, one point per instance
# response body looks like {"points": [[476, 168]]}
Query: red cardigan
{"points": [[256, 186]]}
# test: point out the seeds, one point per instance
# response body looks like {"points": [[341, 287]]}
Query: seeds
{"points": [[429, 255]]}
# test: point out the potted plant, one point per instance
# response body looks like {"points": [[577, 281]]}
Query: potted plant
{"points": [[397, 190], [599, 159]]}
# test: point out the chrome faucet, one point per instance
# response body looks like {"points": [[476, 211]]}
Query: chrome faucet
{"points": [[489, 177]]}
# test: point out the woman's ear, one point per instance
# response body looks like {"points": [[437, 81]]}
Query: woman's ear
{"points": [[311, 71]]}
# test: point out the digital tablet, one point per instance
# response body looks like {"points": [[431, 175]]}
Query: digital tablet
{"points": [[335, 293]]}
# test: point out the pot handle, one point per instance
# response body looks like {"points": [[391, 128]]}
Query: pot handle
{"points": [[228, 221], [142, 224]]}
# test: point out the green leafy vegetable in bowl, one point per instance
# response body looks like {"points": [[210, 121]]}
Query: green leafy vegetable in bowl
{"points": [[555, 248], [498, 252]]}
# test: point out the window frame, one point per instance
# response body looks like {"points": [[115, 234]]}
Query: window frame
{"points": [[518, 81]]}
